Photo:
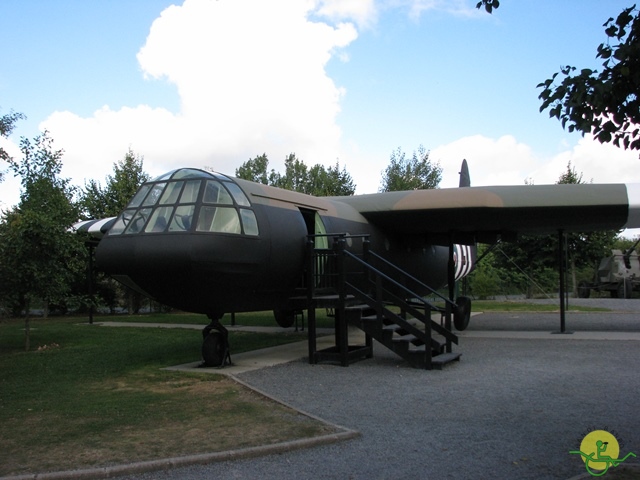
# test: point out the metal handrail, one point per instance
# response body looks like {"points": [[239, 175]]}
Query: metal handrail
{"points": [[425, 303], [413, 279]]}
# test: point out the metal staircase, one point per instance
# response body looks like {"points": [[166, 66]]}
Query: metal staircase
{"points": [[368, 292]]}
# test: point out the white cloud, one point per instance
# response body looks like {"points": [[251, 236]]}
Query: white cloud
{"points": [[251, 79], [363, 12], [465, 8], [505, 161], [502, 161]]}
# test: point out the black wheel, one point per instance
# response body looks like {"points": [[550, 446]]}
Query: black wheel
{"points": [[284, 318], [584, 289], [214, 349], [462, 313]]}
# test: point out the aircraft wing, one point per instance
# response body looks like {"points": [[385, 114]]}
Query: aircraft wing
{"points": [[96, 229], [484, 214]]}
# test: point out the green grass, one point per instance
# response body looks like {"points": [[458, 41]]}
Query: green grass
{"points": [[252, 319], [508, 306], [87, 395]]}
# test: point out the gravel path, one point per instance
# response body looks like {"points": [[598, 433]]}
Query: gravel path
{"points": [[511, 408]]}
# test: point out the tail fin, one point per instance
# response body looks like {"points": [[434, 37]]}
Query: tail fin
{"points": [[465, 179], [469, 253]]}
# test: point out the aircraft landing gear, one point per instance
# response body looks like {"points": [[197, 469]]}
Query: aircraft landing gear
{"points": [[215, 344], [462, 313]]}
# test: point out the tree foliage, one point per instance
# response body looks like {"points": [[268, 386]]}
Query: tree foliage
{"points": [[98, 202], [7, 124], [255, 170], [317, 180], [489, 5], [604, 103], [40, 258], [128, 175], [538, 255], [415, 173]]}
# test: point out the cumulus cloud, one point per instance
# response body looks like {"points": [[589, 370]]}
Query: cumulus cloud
{"points": [[251, 79], [505, 161], [363, 12], [465, 8], [501, 161]]}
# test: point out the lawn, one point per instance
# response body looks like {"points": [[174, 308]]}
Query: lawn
{"points": [[88, 396]]}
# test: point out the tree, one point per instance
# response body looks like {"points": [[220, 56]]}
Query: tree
{"points": [[7, 124], [255, 170], [332, 181], [98, 202], [604, 103], [417, 173], [317, 180], [535, 257], [128, 175], [538, 255], [585, 249], [40, 258], [296, 175]]}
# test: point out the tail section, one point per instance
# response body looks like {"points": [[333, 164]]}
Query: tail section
{"points": [[465, 179], [465, 254]]}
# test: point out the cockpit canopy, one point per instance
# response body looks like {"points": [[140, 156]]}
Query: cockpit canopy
{"points": [[188, 200]]}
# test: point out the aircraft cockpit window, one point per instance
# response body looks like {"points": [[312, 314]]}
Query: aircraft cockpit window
{"points": [[122, 222], [139, 196], [164, 176], [171, 193], [159, 220], [249, 222], [188, 200], [182, 219], [238, 195], [190, 192], [216, 193], [187, 173], [138, 221], [219, 219], [154, 195]]}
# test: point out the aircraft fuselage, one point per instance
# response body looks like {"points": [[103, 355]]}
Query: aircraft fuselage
{"points": [[212, 244]]}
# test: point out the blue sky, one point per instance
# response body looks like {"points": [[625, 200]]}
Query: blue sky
{"points": [[212, 83]]}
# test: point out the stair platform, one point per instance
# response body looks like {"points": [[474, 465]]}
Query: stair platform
{"points": [[333, 354], [443, 359]]}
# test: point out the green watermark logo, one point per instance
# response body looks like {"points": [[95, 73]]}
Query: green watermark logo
{"points": [[600, 450]]}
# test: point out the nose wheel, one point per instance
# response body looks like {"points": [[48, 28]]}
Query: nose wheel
{"points": [[215, 345]]}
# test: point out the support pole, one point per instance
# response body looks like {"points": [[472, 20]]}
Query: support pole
{"points": [[451, 280], [562, 265], [311, 309], [90, 282], [342, 339]]}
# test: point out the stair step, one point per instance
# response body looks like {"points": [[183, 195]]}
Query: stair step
{"points": [[393, 327], [422, 348], [406, 338], [379, 316], [361, 306], [444, 358]]}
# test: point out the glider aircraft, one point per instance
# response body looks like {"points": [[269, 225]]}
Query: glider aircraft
{"points": [[209, 243]]}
